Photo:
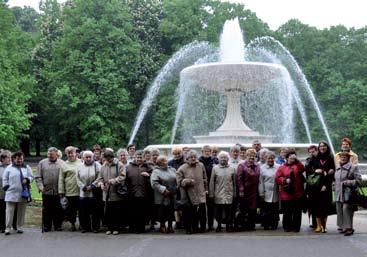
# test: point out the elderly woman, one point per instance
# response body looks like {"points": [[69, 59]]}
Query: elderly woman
{"points": [[155, 153], [86, 174], [111, 174], [5, 158], [290, 178], [248, 174], [16, 180], [122, 155], [192, 181], [346, 177], [222, 189], [268, 192], [163, 181]]}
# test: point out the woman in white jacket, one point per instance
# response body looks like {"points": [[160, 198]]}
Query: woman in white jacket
{"points": [[16, 179], [268, 192]]}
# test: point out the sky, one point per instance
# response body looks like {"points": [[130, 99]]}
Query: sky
{"points": [[318, 13]]}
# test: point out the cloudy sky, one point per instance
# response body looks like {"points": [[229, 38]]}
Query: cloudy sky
{"points": [[319, 13]]}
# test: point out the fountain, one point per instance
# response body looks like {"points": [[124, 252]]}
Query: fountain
{"points": [[230, 75], [232, 80]]}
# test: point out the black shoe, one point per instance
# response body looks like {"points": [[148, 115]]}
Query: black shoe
{"points": [[210, 229], [2, 231], [188, 232], [219, 229], [58, 229]]}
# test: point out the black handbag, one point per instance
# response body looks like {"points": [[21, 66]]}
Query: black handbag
{"points": [[121, 188], [184, 202]]}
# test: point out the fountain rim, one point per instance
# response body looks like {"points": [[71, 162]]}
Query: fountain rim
{"points": [[246, 63]]}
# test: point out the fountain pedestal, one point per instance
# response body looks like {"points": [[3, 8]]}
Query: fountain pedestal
{"points": [[233, 130]]}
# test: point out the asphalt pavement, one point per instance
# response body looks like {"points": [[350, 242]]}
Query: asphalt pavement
{"points": [[259, 243]]}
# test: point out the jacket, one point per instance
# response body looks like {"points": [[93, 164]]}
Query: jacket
{"points": [[342, 181], [67, 179], [222, 186], [2, 169], [193, 180], [12, 180], [208, 162], [268, 189], [47, 176], [161, 180], [284, 172], [111, 175], [248, 183], [138, 185], [86, 175]]}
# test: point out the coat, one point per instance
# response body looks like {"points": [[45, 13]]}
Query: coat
{"points": [[111, 175], [2, 192], [161, 180], [139, 186], [342, 181], [47, 176], [248, 183], [193, 180], [67, 179], [86, 175], [12, 180], [208, 162], [268, 189], [284, 172], [222, 186], [176, 164]]}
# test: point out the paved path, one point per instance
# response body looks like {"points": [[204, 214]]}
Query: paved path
{"points": [[253, 244]]}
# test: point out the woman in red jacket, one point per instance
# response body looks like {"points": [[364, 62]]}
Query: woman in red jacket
{"points": [[291, 181]]}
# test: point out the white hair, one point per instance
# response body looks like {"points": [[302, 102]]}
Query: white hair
{"points": [[223, 153], [87, 152]]}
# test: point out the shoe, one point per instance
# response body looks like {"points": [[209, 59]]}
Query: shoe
{"points": [[2, 231], [170, 230], [115, 233], [218, 230], [318, 230], [229, 229], [83, 231], [349, 232], [7, 232], [188, 232], [163, 229], [73, 228], [210, 229], [95, 231], [108, 232], [324, 230], [58, 229], [19, 231]]}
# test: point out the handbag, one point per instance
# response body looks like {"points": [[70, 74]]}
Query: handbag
{"points": [[121, 188], [184, 202], [25, 194], [354, 195], [313, 180]]}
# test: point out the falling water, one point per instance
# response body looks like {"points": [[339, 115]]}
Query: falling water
{"points": [[300, 76], [184, 57]]}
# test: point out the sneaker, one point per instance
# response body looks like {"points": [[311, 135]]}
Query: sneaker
{"points": [[115, 232], [20, 231], [7, 232], [108, 232]]}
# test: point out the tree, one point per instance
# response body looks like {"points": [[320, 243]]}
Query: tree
{"points": [[15, 83], [91, 102]]}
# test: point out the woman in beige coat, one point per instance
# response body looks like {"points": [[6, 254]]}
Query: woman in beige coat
{"points": [[222, 189], [347, 176]]}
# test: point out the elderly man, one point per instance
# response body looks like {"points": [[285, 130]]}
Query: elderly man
{"points": [[193, 184], [47, 179], [140, 192], [68, 186], [86, 173], [256, 145]]}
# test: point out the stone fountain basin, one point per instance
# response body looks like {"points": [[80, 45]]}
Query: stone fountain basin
{"points": [[225, 77]]}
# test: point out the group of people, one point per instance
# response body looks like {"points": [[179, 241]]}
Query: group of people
{"points": [[134, 189]]}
